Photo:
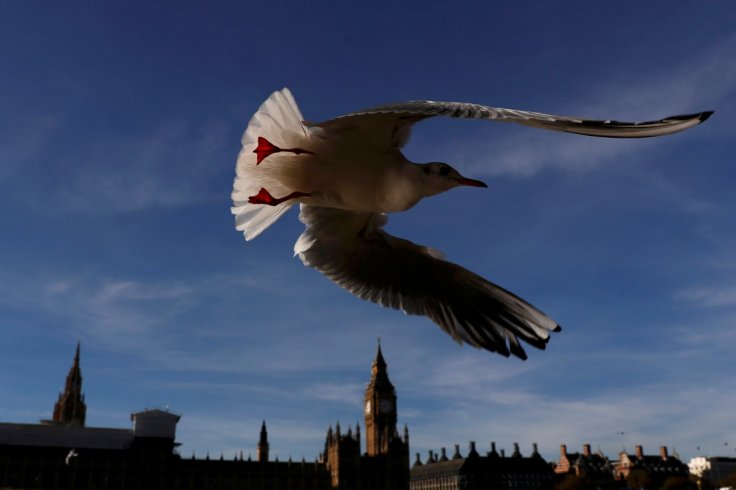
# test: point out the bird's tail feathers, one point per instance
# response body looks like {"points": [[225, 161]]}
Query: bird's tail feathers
{"points": [[275, 136], [277, 119]]}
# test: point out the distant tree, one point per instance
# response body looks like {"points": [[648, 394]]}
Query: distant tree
{"points": [[705, 484], [679, 483], [574, 482], [729, 481], [639, 480]]}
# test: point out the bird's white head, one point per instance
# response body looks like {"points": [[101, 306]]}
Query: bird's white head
{"points": [[440, 177]]}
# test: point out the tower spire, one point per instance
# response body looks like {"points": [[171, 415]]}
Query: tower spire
{"points": [[263, 444], [70, 407], [379, 364]]}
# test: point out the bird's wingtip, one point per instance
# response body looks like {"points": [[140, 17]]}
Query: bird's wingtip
{"points": [[697, 116], [705, 115]]}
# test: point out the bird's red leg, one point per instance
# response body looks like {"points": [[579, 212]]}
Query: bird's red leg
{"points": [[266, 148], [265, 197]]}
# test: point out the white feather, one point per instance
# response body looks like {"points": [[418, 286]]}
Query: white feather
{"points": [[280, 122]]}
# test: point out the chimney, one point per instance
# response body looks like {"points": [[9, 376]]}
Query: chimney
{"points": [[472, 451], [639, 452], [444, 455], [586, 450], [663, 452], [517, 453], [563, 450], [457, 452]]}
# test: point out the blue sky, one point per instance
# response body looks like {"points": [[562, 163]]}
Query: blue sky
{"points": [[120, 128]]}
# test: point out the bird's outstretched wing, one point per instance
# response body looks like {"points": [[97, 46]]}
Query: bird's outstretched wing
{"points": [[393, 122], [352, 249]]}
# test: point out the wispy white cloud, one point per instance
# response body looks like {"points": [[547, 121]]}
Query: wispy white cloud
{"points": [[215, 435], [251, 308], [525, 155], [709, 297], [111, 311], [701, 82], [171, 165], [349, 393], [618, 418]]}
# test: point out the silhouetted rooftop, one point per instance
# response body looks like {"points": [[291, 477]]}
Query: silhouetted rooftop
{"points": [[62, 435]]}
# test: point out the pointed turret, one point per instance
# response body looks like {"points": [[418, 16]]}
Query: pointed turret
{"points": [[263, 444], [70, 407], [379, 364]]}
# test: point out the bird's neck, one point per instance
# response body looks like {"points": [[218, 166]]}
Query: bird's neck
{"points": [[404, 187]]}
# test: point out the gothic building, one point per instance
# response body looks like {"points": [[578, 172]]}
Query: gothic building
{"points": [[385, 464], [70, 408], [65, 454]]}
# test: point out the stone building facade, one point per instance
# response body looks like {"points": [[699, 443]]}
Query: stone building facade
{"points": [[655, 468], [596, 468]]}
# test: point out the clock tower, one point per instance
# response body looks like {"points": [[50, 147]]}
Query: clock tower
{"points": [[380, 409], [385, 464]]}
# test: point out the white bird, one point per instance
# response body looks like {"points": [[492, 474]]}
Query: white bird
{"points": [[72, 454], [347, 172]]}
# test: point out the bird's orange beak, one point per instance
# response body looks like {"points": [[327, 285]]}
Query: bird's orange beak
{"points": [[471, 182]]}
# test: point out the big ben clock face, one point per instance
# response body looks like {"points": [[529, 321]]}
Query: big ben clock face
{"points": [[386, 405], [368, 407]]}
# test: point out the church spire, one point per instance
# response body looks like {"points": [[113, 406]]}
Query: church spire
{"points": [[70, 407]]}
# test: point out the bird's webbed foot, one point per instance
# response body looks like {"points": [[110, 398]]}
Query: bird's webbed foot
{"points": [[266, 148], [265, 197]]}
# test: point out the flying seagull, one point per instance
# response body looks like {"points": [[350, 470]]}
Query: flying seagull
{"points": [[348, 172]]}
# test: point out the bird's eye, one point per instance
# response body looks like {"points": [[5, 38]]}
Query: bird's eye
{"points": [[444, 170]]}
